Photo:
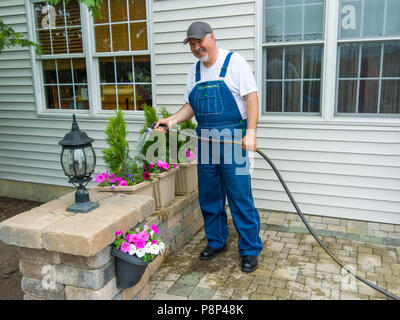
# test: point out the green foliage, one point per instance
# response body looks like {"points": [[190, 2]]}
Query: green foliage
{"points": [[117, 155], [9, 38]]}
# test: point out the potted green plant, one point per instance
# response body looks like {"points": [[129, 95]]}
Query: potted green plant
{"points": [[126, 174], [133, 251]]}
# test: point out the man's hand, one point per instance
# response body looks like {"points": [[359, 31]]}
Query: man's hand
{"points": [[167, 121], [249, 141]]}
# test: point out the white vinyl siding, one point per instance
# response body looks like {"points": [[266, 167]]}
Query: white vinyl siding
{"points": [[342, 167]]}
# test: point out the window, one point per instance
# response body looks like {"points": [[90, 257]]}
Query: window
{"points": [[59, 31], [292, 52], [120, 55], [368, 79], [363, 74]]}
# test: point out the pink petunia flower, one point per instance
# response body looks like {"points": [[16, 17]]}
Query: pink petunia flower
{"points": [[153, 242], [154, 228], [143, 235], [146, 175], [125, 247], [140, 243], [160, 163], [113, 178], [166, 166], [145, 168], [99, 178], [122, 183], [118, 233], [112, 187], [174, 166], [151, 165]]}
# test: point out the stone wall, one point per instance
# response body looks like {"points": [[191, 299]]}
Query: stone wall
{"points": [[67, 256]]}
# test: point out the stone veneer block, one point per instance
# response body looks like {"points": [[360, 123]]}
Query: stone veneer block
{"points": [[144, 205], [40, 255], [105, 293], [82, 235], [93, 262], [25, 229]]}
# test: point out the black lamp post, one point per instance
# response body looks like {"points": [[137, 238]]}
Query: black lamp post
{"points": [[78, 161]]}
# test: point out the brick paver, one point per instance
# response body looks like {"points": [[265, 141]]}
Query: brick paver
{"points": [[291, 265]]}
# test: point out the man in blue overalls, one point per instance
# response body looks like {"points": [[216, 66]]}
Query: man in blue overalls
{"points": [[222, 94]]}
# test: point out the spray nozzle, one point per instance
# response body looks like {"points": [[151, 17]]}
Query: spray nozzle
{"points": [[151, 127]]}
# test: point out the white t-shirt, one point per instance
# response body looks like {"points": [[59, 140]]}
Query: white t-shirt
{"points": [[239, 78]]}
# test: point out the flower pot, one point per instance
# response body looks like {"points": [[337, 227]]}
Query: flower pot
{"points": [[143, 188], [186, 178], [129, 269], [164, 188]]}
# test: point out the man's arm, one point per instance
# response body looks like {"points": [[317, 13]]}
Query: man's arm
{"points": [[250, 140], [183, 114]]}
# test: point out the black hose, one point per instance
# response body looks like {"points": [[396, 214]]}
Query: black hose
{"points": [[262, 154], [388, 294]]}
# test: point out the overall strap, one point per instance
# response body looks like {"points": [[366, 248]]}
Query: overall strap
{"points": [[198, 77], [225, 65]]}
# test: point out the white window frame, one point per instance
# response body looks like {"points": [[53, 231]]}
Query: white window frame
{"points": [[328, 113], [93, 76]]}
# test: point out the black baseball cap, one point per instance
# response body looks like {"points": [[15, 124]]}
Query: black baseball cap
{"points": [[197, 30]]}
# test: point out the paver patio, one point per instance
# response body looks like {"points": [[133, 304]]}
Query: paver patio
{"points": [[291, 265]]}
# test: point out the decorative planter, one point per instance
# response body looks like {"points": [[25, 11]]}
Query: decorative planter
{"points": [[186, 178], [129, 269], [143, 188], [164, 188]]}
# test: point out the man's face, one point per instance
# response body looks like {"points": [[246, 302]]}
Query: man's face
{"points": [[201, 47]]}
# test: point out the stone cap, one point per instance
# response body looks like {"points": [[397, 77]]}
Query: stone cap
{"points": [[51, 227]]}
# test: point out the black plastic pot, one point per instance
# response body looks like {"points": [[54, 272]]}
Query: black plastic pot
{"points": [[129, 269]]}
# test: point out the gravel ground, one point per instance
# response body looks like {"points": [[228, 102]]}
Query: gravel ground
{"points": [[10, 277]]}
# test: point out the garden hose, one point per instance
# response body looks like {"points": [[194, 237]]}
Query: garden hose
{"points": [[319, 241]]}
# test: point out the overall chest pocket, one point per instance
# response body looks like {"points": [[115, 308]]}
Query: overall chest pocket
{"points": [[209, 100]]}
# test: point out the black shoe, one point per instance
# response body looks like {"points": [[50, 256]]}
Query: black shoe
{"points": [[249, 263], [208, 253]]}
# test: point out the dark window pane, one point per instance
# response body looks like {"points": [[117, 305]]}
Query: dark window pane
{"points": [[44, 41], [312, 62], [143, 96], [347, 99], [124, 69], [104, 13], [293, 63], [292, 96], [75, 40], [311, 96], [59, 37], [108, 97], [138, 36], [73, 15], [120, 39], [391, 63], [103, 40], [349, 54], [142, 69], [49, 71], [64, 71], [119, 11], [126, 99], [51, 95], [368, 96], [82, 97], [79, 70], [274, 97], [371, 59], [274, 63], [106, 66], [390, 98], [137, 9], [67, 97]]}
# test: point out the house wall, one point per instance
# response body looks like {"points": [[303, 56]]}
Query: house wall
{"points": [[338, 167]]}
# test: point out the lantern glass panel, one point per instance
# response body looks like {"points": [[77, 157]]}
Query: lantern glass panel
{"points": [[67, 162], [79, 162], [90, 159]]}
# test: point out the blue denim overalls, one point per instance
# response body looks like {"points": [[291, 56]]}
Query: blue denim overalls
{"points": [[215, 108]]}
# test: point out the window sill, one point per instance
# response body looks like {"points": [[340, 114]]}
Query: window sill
{"points": [[87, 115]]}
